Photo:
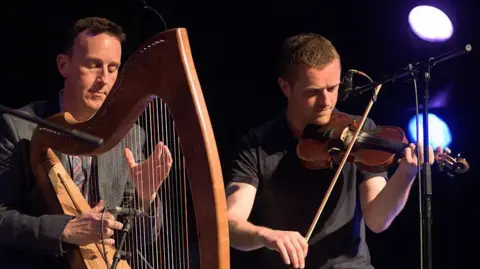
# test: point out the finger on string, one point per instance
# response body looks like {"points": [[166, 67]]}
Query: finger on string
{"points": [[130, 158], [163, 155], [106, 232], [109, 241], [437, 152], [408, 155], [422, 153], [169, 156], [112, 224], [431, 155], [413, 150], [158, 151], [108, 216]]}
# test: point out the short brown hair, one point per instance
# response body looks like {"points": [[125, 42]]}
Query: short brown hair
{"points": [[310, 49], [95, 26]]}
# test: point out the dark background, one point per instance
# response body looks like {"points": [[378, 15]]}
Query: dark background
{"points": [[234, 45]]}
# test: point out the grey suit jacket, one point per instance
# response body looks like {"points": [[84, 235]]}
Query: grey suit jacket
{"points": [[28, 237]]}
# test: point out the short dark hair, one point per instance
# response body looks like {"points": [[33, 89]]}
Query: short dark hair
{"points": [[95, 26], [310, 49]]}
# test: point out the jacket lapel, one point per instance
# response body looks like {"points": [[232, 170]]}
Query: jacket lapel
{"points": [[105, 178], [112, 175]]}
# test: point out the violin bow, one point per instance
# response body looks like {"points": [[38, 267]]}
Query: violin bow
{"points": [[345, 157]]}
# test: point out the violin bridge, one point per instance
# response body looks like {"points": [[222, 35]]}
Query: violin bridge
{"points": [[346, 137], [333, 150]]}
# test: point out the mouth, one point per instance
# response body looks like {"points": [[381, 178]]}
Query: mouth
{"points": [[97, 92], [97, 95], [322, 111]]}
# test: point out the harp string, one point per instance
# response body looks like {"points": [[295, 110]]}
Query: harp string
{"points": [[180, 202], [151, 142], [169, 249], [134, 247], [167, 193], [154, 206]]}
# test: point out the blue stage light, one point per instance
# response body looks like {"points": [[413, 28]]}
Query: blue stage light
{"points": [[439, 133]]}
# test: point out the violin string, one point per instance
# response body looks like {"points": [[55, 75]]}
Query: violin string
{"points": [[367, 138], [379, 143]]}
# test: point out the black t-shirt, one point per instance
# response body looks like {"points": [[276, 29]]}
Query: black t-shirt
{"points": [[289, 195]]}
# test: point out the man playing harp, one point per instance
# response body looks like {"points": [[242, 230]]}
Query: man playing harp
{"points": [[28, 237]]}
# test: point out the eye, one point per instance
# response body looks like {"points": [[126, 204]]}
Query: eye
{"points": [[311, 92], [92, 65], [332, 89], [112, 68]]}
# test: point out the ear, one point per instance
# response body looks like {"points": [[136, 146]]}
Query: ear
{"points": [[63, 63], [285, 86]]}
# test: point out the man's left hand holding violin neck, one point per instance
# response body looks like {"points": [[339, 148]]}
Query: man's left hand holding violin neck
{"points": [[383, 200]]}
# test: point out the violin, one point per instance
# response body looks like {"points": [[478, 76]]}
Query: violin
{"points": [[323, 146]]}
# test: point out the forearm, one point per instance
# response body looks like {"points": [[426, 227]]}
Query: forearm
{"points": [[154, 218], [381, 212], [38, 234], [244, 235], [148, 202], [149, 224]]}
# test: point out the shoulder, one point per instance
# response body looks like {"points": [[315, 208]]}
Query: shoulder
{"points": [[19, 127], [40, 109], [264, 133]]}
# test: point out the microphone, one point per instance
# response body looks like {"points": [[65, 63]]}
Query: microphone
{"points": [[128, 211], [346, 85]]}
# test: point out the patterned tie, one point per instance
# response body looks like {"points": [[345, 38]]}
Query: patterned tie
{"points": [[78, 176]]}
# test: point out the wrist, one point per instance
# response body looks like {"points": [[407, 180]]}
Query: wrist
{"points": [[65, 235], [407, 172], [261, 234], [146, 198]]}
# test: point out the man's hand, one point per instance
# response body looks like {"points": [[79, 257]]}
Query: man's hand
{"points": [[293, 247], [409, 161], [87, 228], [149, 174]]}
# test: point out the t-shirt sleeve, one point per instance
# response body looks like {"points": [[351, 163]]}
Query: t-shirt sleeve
{"points": [[363, 175], [245, 162]]}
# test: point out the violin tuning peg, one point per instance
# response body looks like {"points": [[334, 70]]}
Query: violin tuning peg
{"points": [[459, 155]]}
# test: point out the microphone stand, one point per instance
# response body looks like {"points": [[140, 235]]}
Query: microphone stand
{"points": [[73, 132], [119, 254], [425, 183]]}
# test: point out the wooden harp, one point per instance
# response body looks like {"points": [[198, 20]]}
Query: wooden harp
{"points": [[160, 78]]}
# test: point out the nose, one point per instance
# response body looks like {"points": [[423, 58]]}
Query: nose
{"points": [[323, 98], [102, 75]]}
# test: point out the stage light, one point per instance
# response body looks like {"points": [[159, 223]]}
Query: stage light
{"points": [[430, 24], [439, 133]]}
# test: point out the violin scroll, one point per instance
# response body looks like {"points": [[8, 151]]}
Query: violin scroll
{"points": [[450, 165]]}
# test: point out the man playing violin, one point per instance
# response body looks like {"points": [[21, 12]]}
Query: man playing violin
{"points": [[29, 238], [273, 198]]}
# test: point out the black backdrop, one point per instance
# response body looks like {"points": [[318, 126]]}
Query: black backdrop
{"points": [[234, 45]]}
